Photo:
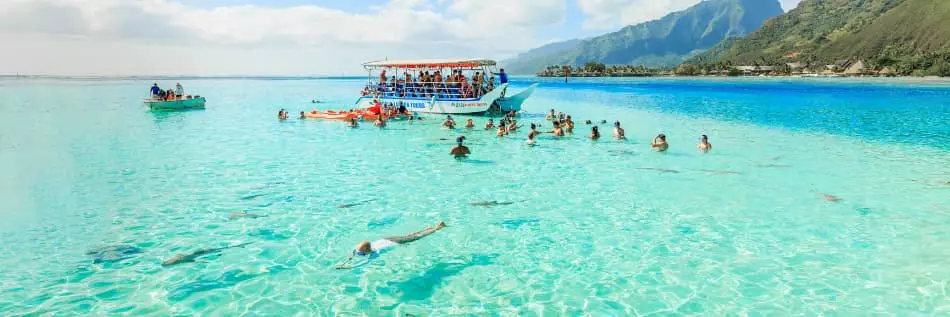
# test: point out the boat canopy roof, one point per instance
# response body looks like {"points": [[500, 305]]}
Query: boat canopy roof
{"points": [[431, 63]]}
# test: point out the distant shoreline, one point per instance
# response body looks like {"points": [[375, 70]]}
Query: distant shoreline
{"points": [[743, 76], [519, 77], [167, 77]]}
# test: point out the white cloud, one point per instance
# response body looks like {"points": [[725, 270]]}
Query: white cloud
{"points": [[790, 4], [317, 37], [506, 13], [612, 14]]}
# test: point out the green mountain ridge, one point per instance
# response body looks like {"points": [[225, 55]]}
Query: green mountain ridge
{"points": [[659, 43], [908, 36]]}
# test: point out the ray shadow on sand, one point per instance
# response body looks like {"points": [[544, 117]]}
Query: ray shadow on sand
{"points": [[225, 280], [426, 283]]}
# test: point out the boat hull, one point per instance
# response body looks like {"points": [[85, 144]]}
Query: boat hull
{"points": [[433, 105], [514, 102], [193, 103]]}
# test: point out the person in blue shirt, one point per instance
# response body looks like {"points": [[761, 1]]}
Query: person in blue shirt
{"points": [[502, 77], [155, 90], [372, 250]]}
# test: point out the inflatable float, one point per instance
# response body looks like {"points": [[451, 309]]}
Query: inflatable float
{"points": [[368, 114], [331, 115]]}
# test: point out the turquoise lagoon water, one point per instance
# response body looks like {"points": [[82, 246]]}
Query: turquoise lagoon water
{"points": [[600, 228]]}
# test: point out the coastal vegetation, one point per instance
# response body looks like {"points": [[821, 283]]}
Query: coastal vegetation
{"points": [[821, 37], [595, 69], [887, 37], [665, 42]]}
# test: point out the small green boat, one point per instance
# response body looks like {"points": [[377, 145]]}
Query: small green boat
{"points": [[186, 102]]}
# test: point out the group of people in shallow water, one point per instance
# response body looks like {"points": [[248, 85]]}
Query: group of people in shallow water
{"points": [[562, 125]]}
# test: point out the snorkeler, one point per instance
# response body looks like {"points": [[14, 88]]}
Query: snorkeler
{"points": [[619, 133], [704, 146], [379, 123], [594, 133], [352, 123], [303, 115], [469, 124], [460, 151], [490, 124], [659, 143], [374, 249]]}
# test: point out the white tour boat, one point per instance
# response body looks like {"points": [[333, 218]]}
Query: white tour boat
{"points": [[431, 86]]}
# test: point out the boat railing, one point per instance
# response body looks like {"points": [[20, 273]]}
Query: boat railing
{"points": [[426, 90]]}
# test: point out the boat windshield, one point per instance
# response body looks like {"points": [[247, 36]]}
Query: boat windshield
{"points": [[466, 80]]}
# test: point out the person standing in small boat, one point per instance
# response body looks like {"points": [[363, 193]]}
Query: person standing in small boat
{"points": [[179, 90], [156, 91]]}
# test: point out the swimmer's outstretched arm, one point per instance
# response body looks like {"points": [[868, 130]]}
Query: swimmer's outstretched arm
{"points": [[345, 265]]}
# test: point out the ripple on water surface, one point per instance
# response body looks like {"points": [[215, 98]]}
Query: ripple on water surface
{"points": [[101, 192]]}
